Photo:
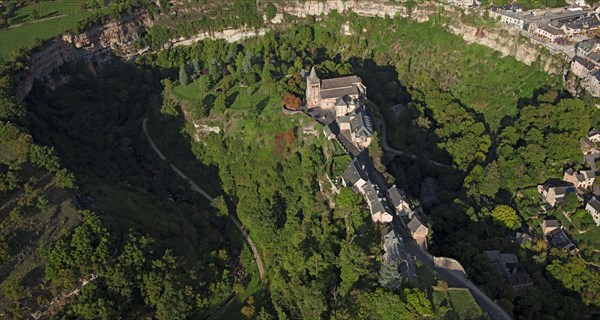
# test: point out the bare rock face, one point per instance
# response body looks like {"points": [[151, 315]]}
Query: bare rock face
{"points": [[95, 47], [511, 43]]}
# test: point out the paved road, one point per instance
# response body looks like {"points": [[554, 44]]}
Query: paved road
{"points": [[386, 147], [449, 272], [447, 268], [199, 190]]}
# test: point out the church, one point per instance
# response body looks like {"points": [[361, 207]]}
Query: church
{"points": [[340, 95]]}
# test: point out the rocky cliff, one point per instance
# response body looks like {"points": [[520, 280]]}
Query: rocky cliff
{"points": [[100, 44], [95, 47], [507, 41]]}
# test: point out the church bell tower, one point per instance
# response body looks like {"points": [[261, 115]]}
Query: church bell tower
{"points": [[313, 89]]}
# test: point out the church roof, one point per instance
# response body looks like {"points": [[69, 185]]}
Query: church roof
{"points": [[338, 83], [339, 87]]}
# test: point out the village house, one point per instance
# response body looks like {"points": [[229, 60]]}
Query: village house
{"points": [[357, 177], [588, 147], [340, 95], [556, 235], [555, 192], [546, 32], [593, 208], [510, 14], [380, 211], [395, 252], [399, 201], [504, 262], [418, 231], [585, 47], [549, 225], [581, 67], [582, 180], [522, 239]]}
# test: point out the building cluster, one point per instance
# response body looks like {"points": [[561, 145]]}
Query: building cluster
{"points": [[580, 183], [586, 65], [357, 177], [340, 103], [553, 25]]}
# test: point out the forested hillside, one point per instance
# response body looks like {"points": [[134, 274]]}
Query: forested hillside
{"points": [[87, 204]]}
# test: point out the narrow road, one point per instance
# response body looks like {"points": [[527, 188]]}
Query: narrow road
{"points": [[448, 271], [199, 190], [386, 147], [453, 277]]}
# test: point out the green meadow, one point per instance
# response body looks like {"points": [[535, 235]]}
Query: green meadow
{"points": [[40, 21]]}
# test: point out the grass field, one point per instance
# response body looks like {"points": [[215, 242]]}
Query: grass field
{"points": [[54, 17], [458, 300]]}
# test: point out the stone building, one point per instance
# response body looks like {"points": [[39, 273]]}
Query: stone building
{"points": [[340, 95]]}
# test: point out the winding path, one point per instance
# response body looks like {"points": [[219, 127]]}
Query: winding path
{"points": [[199, 190], [386, 147]]}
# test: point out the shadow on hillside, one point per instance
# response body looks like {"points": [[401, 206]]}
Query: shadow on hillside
{"points": [[94, 123]]}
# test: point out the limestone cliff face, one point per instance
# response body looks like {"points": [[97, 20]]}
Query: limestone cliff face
{"points": [[510, 42], [95, 47], [100, 44], [507, 42]]}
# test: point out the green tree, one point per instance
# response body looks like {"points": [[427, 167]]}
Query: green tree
{"points": [[506, 216], [271, 11], [65, 179], [389, 277], [353, 263], [220, 104], [571, 202], [183, 76], [221, 206], [44, 157]]}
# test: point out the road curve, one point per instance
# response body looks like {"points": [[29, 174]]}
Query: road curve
{"points": [[386, 147], [451, 270], [196, 188], [453, 276]]}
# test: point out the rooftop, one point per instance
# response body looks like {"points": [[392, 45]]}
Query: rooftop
{"points": [[354, 173], [594, 203]]}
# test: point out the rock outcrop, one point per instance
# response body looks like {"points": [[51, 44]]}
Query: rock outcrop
{"points": [[100, 44], [506, 41], [95, 47]]}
